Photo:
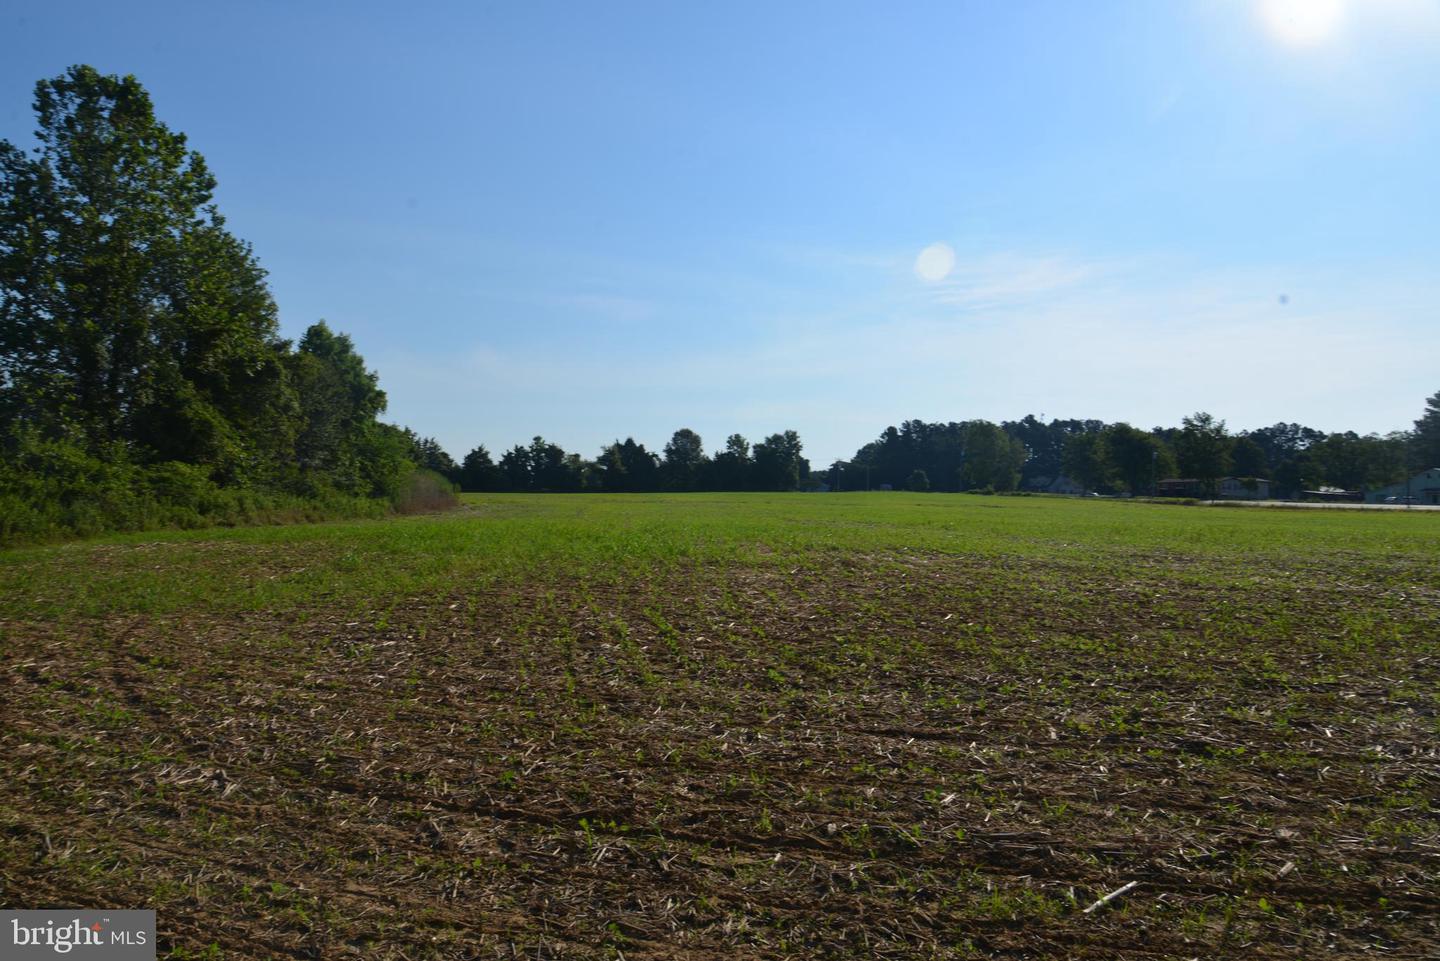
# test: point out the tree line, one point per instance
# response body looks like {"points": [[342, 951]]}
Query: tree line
{"points": [[773, 464], [1118, 458], [970, 455], [142, 376]]}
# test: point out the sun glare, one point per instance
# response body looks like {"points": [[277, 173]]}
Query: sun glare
{"points": [[1302, 23], [935, 263]]}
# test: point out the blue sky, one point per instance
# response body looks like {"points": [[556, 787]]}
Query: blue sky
{"points": [[593, 220]]}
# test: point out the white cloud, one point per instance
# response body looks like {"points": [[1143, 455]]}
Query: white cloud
{"points": [[1009, 279]]}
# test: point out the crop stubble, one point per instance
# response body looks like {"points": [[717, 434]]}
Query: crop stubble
{"points": [[891, 754]]}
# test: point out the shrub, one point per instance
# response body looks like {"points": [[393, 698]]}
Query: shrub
{"points": [[425, 490], [54, 489]]}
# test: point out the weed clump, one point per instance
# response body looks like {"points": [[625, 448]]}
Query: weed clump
{"points": [[425, 491]]}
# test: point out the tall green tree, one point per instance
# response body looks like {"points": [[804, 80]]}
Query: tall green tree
{"points": [[778, 464], [552, 469], [1350, 461], [1425, 439], [426, 452], [733, 464], [1247, 458], [628, 466], [127, 313], [683, 465], [992, 458], [1203, 450], [339, 399], [515, 470], [1137, 458], [1084, 460], [1295, 475], [1284, 446], [478, 471], [1045, 444]]}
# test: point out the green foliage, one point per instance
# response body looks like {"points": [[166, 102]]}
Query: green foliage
{"points": [[778, 465], [628, 467], [684, 464], [52, 489], [542, 467], [1247, 458], [1425, 440], [1136, 458], [732, 465], [1287, 461], [1045, 444], [991, 458], [1084, 461], [383, 457], [339, 399], [1203, 450], [478, 472], [918, 481], [142, 378], [1353, 462], [427, 454], [127, 313], [960, 455]]}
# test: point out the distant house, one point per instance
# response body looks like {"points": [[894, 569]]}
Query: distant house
{"points": [[1423, 488], [1064, 485], [1245, 488], [1227, 488], [1179, 487], [1054, 485]]}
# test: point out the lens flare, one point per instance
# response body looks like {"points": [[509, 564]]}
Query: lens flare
{"points": [[1302, 23], [935, 263]]}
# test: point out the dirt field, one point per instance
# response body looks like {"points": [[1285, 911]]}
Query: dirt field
{"points": [[814, 743]]}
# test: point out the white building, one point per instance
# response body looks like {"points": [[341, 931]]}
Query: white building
{"points": [[1423, 488]]}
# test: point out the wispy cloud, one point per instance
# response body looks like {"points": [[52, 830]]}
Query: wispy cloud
{"points": [[1013, 280]]}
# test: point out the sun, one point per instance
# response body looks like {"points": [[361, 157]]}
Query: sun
{"points": [[1302, 23]]}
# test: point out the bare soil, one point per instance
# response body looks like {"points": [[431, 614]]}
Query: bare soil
{"points": [[895, 756]]}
